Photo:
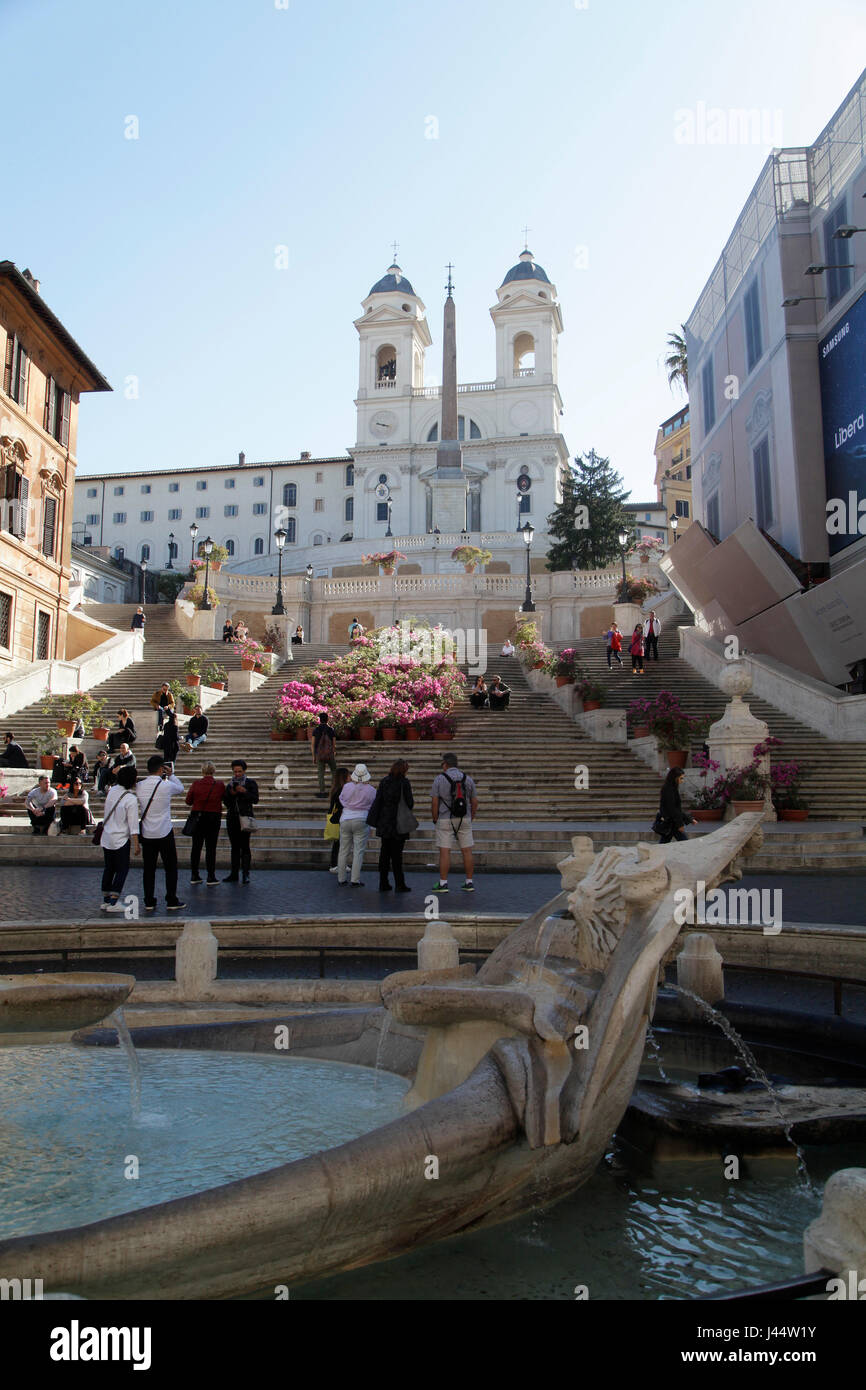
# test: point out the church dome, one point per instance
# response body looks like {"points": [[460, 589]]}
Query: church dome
{"points": [[526, 269], [393, 280]]}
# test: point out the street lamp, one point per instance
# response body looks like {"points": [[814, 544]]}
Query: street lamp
{"points": [[143, 568], [675, 521], [309, 573], [208, 547], [527, 532], [193, 532], [170, 566], [519, 496], [623, 542], [280, 537]]}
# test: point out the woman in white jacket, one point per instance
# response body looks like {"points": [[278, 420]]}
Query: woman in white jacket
{"points": [[119, 834]]}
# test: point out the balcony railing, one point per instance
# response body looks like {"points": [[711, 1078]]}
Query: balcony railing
{"points": [[461, 390], [525, 371], [386, 383]]}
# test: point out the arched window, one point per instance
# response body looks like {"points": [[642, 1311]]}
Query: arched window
{"points": [[350, 475], [386, 365], [291, 530], [230, 547], [317, 540], [350, 509], [290, 495], [524, 355], [145, 552], [258, 546], [474, 431], [119, 552]]}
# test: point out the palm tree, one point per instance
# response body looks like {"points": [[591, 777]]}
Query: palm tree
{"points": [[677, 361]]}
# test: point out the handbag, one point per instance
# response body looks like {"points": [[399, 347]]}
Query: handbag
{"points": [[96, 838], [660, 825], [247, 824], [54, 827], [406, 820], [332, 829], [191, 822]]}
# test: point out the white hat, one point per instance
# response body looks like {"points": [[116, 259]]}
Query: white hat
{"points": [[361, 773]]}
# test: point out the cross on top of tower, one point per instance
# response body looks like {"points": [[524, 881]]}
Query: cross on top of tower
{"points": [[394, 245], [526, 231], [450, 286]]}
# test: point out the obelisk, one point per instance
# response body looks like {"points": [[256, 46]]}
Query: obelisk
{"points": [[449, 492]]}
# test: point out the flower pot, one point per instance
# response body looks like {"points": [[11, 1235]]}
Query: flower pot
{"points": [[538, 666], [641, 731], [275, 736], [46, 761], [388, 569], [564, 680], [193, 681], [591, 704], [443, 738], [389, 735], [100, 733], [715, 814], [217, 685], [470, 569], [247, 663], [66, 726], [644, 559], [791, 814], [267, 649], [677, 757], [301, 736], [216, 566], [413, 734], [741, 807], [366, 733]]}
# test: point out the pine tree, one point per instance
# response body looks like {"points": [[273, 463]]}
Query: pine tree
{"points": [[588, 520]]}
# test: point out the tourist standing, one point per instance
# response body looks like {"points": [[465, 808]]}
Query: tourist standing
{"points": [[499, 693], [636, 649], [335, 811], [454, 806], [75, 808], [119, 834], [41, 805], [162, 701], [323, 745], [170, 738], [478, 693], [154, 794], [385, 815], [671, 817], [13, 754], [138, 621], [356, 799], [613, 637], [205, 796], [124, 733], [240, 796], [651, 632]]}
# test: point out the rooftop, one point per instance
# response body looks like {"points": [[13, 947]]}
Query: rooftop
{"points": [[9, 271]]}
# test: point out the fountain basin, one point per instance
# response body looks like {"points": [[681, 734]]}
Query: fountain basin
{"points": [[50, 1008]]}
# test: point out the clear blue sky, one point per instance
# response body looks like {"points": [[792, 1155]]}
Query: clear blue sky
{"points": [[305, 126]]}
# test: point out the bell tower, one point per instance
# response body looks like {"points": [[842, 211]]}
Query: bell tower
{"points": [[393, 334], [528, 324]]}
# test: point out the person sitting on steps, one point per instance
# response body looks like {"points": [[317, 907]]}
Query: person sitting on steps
{"points": [[499, 693]]}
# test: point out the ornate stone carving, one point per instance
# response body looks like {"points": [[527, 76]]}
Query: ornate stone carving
{"points": [[759, 420]]}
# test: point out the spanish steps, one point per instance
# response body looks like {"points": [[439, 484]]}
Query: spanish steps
{"points": [[523, 761]]}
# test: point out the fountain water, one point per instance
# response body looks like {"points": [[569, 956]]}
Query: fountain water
{"points": [[118, 1021], [380, 1048], [655, 1049]]}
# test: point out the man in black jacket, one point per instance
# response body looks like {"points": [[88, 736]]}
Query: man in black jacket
{"points": [[13, 753], [240, 796]]}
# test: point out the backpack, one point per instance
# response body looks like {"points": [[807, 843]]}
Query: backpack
{"points": [[324, 748], [458, 808]]}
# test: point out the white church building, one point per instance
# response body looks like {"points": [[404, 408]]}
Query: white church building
{"points": [[382, 494]]}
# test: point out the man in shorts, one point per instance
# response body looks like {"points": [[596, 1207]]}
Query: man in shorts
{"points": [[453, 831]]}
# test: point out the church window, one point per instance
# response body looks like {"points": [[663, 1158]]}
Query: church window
{"points": [[525, 502], [202, 513], [386, 364], [145, 552], [291, 530], [349, 509], [319, 504], [258, 482], [474, 431], [258, 546], [350, 475], [381, 511], [230, 547], [260, 508], [201, 485], [229, 482], [524, 355], [290, 495], [317, 540], [320, 477]]}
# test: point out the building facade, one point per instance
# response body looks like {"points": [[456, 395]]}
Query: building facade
{"points": [[673, 480], [44, 374], [334, 509]]}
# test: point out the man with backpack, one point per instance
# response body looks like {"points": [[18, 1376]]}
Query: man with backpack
{"points": [[454, 807], [324, 749]]}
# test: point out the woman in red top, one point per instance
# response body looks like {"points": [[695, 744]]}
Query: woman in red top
{"points": [[205, 796], [636, 649]]}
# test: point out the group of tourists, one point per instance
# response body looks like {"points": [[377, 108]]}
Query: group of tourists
{"points": [[644, 642], [235, 632], [494, 696], [43, 802]]}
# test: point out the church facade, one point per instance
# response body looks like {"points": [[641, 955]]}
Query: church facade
{"points": [[391, 485]]}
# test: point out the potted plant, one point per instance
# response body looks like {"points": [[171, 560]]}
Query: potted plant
{"points": [[710, 801], [49, 746], [248, 650], [195, 596], [273, 638], [189, 700], [192, 665], [674, 730], [214, 675], [68, 710], [637, 718], [385, 559], [591, 692], [647, 546], [787, 793], [440, 727], [637, 590], [471, 556], [413, 733], [218, 555], [564, 667], [745, 787]]}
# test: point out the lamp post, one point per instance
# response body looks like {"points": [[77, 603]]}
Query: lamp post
{"points": [[623, 542], [143, 582], [527, 532], [193, 532], [519, 496], [170, 566], [280, 537], [208, 547], [309, 573], [675, 521], [389, 532]]}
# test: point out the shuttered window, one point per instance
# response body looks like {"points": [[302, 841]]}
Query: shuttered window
{"points": [[49, 526], [15, 371], [43, 636], [6, 621], [7, 369], [49, 419], [20, 506], [764, 517], [65, 410]]}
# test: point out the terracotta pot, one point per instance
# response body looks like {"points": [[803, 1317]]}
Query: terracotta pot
{"points": [[217, 685], [100, 733], [564, 680], [716, 814], [792, 814], [216, 566], [538, 666], [443, 738], [247, 663], [389, 735], [388, 569], [66, 726], [640, 731], [677, 757], [275, 736], [413, 734], [193, 681], [301, 736], [470, 569], [644, 559], [366, 733], [591, 704], [740, 807], [46, 761]]}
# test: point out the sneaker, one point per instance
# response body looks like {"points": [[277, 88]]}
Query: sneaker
{"points": [[195, 880], [403, 888], [440, 888], [211, 883], [468, 886], [246, 878], [114, 907], [174, 907], [333, 869], [359, 884], [232, 878], [150, 907]]}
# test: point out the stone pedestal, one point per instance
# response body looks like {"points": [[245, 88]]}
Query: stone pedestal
{"points": [[438, 948], [195, 959], [699, 968], [732, 738], [837, 1238], [450, 491], [243, 682], [627, 616], [603, 725]]}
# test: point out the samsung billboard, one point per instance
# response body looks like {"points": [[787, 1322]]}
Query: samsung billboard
{"points": [[842, 363]]}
